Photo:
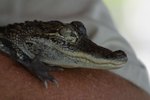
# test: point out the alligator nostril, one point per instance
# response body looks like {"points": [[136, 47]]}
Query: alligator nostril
{"points": [[120, 55]]}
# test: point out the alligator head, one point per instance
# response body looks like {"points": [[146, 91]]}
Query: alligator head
{"points": [[73, 49]]}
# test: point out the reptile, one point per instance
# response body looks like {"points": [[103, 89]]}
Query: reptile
{"points": [[42, 47]]}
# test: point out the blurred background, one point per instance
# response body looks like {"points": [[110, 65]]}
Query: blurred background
{"points": [[132, 19]]}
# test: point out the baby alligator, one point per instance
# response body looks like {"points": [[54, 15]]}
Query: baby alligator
{"points": [[48, 46]]}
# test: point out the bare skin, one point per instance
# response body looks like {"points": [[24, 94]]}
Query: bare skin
{"points": [[74, 84]]}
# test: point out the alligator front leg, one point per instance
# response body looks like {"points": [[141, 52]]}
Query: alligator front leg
{"points": [[39, 69], [36, 67]]}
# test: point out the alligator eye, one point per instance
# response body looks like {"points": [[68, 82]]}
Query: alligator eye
{"points": [[69, 35], [79, 27]]}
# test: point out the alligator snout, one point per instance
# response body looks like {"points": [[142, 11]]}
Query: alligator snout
{"points": [[115, 58], [118, 56]]}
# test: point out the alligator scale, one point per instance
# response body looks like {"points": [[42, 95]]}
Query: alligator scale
{"points": [[47, 46]]}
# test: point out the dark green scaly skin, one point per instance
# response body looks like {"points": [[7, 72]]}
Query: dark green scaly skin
{"points": [[48, 46]]}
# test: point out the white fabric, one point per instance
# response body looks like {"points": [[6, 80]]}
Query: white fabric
{"points": [[95, 17]]}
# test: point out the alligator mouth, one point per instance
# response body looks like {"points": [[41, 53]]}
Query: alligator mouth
{"points": [[88, 61]]}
